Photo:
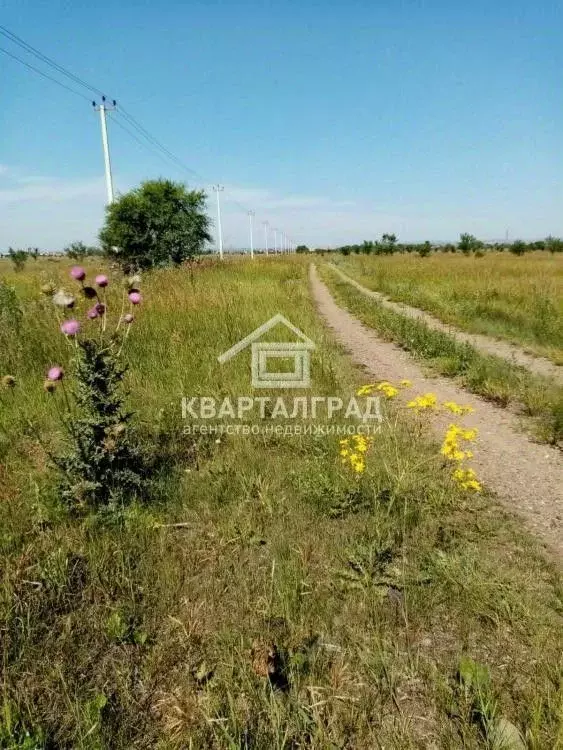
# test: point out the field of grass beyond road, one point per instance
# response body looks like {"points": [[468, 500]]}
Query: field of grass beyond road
{"points": [[268, 596], [538, 399], [516, 298]]}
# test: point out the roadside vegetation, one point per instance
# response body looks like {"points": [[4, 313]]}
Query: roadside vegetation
{"points": [[538, 399], [518, 299], [267, 594]]}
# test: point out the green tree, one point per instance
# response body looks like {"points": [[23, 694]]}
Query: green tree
{"points": [[518, 247], [80, 251], [388, 243], [554, 244], [158, 223], [425, 249], [18, 258], [468, 243], [301, 249]]}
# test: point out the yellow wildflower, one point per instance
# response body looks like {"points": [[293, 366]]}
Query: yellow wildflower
{"points": [[388, 389], [353, 452], [451, 446], [357, 463], [361, 443], [426, 401], [458, 408], [467, 479], [405, 383]]}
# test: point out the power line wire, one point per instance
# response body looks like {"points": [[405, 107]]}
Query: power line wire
{"points": [[143, 143], [45, 75], [33, 51], [144, 132], [140, 129]]}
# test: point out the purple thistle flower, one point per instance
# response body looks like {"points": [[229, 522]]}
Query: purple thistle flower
{"points": [[70, 327], [100, 308], [135, 297], [78, 273], [55, 373], [92, 313], [128, 318], [102, 280]]}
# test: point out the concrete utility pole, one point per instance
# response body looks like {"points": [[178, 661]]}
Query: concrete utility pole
{"points": [[102, 109], [218, 189], [265, 224], [251, 215], [275, 231]]}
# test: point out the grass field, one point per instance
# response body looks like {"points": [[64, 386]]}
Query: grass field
{"points": [[516, 298], [266, 597], [537, 398]]}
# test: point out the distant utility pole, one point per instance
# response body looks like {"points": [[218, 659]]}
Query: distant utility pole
{"points": [[265, 225], [102, 109], [251, 215], [218, 189], [275, 231]]}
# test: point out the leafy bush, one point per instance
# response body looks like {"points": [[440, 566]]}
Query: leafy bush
{"points": [[468, 243], [425, 249], [18, 257], [388, 243], [157, 224], [79, 251], [518, 247], [554, 245]]}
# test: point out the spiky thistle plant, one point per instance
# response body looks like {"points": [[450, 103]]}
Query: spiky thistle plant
{"points": [[103, 465]]}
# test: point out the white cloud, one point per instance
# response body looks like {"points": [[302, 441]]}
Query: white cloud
{"points": [[268, 200], [35, 189], [50, 213]]}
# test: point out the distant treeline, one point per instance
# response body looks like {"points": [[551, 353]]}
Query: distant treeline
{"points": [[387, 245], [468, 244]]}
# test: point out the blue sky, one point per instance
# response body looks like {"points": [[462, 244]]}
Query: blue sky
{"points": [[336, 121]]}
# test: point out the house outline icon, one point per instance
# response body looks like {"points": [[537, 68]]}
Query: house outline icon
{"points": [[261, 352]]}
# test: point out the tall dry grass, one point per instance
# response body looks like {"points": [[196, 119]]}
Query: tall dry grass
{"points": [[498, 294], [295, 605]]}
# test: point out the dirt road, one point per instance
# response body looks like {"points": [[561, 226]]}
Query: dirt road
{"points": [[526, 477]]}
